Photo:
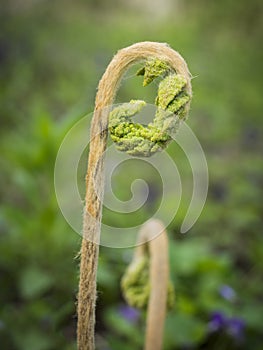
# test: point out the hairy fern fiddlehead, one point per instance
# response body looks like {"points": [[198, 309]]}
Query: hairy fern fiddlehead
{"points": [[160, 61], [172, 97]]}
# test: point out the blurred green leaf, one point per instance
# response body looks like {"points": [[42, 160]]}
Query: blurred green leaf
{"points": [[34, 282]]}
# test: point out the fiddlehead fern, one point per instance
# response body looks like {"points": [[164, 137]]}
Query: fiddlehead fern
{"points": [[146, 281], [107, 89]]}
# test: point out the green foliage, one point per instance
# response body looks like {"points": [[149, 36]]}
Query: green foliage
{"points": [[52, 56]]}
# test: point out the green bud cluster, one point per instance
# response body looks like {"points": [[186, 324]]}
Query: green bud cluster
{"points": [[144, 140], [136, 286]]}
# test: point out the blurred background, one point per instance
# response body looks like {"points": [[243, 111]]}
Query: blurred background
{"points": [[52, 55]]}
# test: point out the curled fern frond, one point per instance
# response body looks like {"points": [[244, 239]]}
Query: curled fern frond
{"points": [[136, 286], [172, 98]]}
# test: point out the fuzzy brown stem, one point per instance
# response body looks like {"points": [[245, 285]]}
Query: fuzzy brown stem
{"points": [[107, 89]]}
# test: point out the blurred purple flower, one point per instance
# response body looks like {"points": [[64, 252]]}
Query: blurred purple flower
{"points": [[217, 321], [235, 327], [129, 313], [227, 293]]}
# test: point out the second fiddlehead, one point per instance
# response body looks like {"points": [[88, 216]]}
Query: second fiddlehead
{"points": [[146, 281]]}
